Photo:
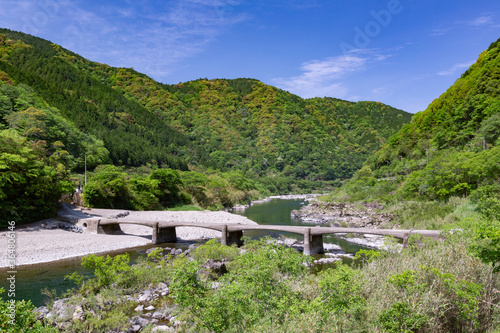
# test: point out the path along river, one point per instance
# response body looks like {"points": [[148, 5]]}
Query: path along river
{"points": [[31, 280]]}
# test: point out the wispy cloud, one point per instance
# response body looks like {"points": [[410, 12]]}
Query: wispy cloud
{"points": [[440, 31], [481, 21], [321, 78], [151, 35], [456, 68], [484, 20]]}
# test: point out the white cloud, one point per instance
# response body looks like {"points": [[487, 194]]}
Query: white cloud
{"points": [[481, 21], [321, 78], [485, 20], [455, 68]]}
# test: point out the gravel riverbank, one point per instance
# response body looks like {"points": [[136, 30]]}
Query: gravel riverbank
{"points": [[51, 240]]}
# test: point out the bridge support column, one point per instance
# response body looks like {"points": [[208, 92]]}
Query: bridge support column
{"points": [[235, 237], [406, 237], [313, 244], [223, 238], [317, 244], [231, 237], [163, 235]]}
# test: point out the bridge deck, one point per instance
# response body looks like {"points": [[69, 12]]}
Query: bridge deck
{"points": [[314, 230]]}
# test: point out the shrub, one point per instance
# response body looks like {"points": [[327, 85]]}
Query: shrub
{"points": [[20, 316], [214, 250]]}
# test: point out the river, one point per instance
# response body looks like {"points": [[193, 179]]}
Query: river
{"points": [[31, 280]]}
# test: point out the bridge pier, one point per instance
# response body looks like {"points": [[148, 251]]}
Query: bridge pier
{"points": [[313, 244], [163, 235], [406, 237], [231, 237]]}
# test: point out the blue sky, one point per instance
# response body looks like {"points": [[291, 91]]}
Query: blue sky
{"points": [[404, 53]]}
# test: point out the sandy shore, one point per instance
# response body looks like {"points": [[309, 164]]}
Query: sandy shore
{"points": [[36, 244]]}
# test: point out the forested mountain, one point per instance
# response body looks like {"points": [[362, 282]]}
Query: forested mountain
{"points": [[453, 147], [239, 124]]}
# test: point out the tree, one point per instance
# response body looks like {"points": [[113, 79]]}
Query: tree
{"points": [[31, 183]]}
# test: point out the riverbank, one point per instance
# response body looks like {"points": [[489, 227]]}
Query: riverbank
{"points": [[52, 240]]}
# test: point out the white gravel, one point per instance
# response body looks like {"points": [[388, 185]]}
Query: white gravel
{"points": [[35, 244]]}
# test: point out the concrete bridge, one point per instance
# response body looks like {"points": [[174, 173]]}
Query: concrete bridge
{"points": [[164, 231]]}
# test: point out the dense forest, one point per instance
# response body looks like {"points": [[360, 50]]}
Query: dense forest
{"points": [[223, 124], [213, 132], [452, 148]]}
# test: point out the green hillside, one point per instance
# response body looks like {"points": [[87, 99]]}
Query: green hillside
{"points": [[238, 124], [453, 147], [229, 140]]}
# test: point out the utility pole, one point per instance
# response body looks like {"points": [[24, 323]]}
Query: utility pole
{"points": [[85, 169], [484, 142], [427, 153]]}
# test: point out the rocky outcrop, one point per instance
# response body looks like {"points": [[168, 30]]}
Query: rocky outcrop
{"points": [[281, 197], [365, 215]]}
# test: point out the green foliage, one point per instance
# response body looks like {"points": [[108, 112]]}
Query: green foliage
{"points": [[462, 297], [487, 243], [20, 317], [239, 124], [341, 293], [400, 318], [490, 128], [31, 183], [368, 255], [156, 254], [487, 199], [108, 188], [258, 282], [441, 149], [131, 134], [453, 174], [112, 187], [214, 250], [107, 270], [168, 186]]}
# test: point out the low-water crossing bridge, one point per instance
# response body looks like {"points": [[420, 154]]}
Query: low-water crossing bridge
{"points": [[232, 233]]}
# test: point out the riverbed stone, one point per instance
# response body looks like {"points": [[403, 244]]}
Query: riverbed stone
{"points": [[162, 328], [139, 308], [175, 252], [135, 328], [326, 260], [149, 308], [43, 312], [139, 321], [78, 314], [158, 315], [343, 214], [215, 266]]}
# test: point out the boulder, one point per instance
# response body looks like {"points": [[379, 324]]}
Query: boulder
{"points": [[215, 266]]}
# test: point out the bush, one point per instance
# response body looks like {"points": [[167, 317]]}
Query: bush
{"points": [[21, 316], [259, 284], [214, 250], [31, 184]]}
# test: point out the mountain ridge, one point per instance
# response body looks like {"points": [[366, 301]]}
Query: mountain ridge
{"points": [[240, 124]]}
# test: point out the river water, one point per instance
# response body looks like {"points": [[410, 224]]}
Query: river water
{"points": [[31, 280]]}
